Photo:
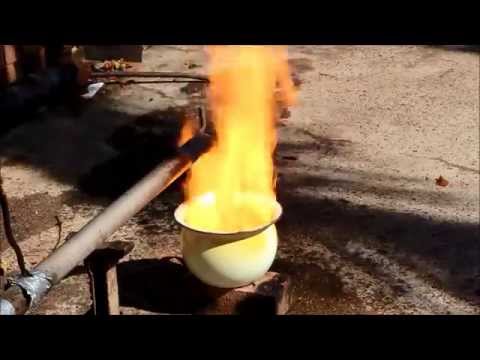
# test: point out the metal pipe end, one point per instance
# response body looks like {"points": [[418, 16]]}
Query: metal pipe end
{"points": [[35, 286], [6, 307], [196, 146]]}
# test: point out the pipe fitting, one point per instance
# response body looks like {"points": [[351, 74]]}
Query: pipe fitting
{"points": [[34, 286]]}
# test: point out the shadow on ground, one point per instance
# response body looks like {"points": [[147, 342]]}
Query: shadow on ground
{"points": [[160, 286], [102, 152]]}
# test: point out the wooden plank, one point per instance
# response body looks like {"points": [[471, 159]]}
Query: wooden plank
{"points": [[9, 65], [10, 54], [112, 288]]}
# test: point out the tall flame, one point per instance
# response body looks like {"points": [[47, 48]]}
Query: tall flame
{"points": [[223, 183]]}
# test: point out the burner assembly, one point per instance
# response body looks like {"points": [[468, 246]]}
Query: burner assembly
{"points": [[228, 234]]}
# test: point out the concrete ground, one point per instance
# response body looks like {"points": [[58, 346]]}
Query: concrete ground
{"points": [[366, 230]]}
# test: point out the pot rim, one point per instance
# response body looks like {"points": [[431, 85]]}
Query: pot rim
{"points": [[179, 218]]}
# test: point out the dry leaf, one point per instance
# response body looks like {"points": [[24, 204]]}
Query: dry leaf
{"points": [[441, 181]]}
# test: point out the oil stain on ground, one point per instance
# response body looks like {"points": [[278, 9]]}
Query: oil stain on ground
{"points": [[314, 290]]}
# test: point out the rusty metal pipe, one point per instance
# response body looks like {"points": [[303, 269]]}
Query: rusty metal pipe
{"points": [[149, 74], [56, 266]]}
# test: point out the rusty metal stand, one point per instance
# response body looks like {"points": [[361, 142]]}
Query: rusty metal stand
{"points": [[102, 272], [269, 295]]}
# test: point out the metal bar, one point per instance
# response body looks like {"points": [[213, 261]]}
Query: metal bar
{"points": [[149, 74], [56, 266], [156, 81]]}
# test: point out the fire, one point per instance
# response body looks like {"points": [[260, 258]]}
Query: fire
{"points": [[224, 184], [189, 128]]}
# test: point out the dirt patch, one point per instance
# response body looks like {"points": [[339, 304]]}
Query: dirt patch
{"points": [[32, 214]]}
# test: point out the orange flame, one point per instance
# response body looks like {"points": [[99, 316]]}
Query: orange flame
{"points": [[243, 84], [189, 128]]}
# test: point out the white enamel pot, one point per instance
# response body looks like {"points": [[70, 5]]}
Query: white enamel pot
{"points": [[229, 260]]}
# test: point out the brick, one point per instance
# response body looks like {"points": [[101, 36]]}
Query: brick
{"points": [[267, 296]]}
